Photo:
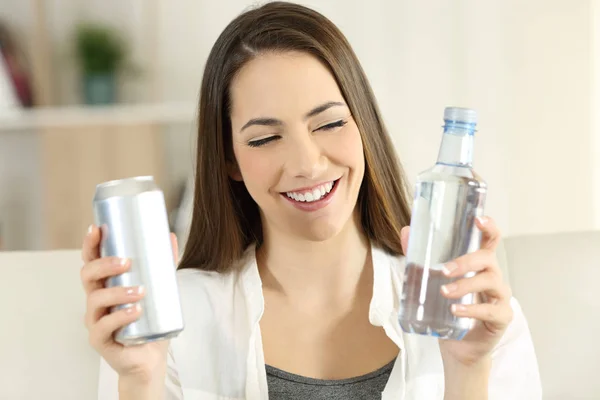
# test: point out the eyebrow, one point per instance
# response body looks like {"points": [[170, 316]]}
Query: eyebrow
{"points": [[276, 122], [323, 107]]}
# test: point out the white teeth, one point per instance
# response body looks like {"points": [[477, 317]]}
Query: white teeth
{"points": [[314, 195]]}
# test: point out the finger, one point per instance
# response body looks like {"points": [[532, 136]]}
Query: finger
{"points": [[99, 301], [472, 262], [490, 234], [90, 250], [485, 282], [404, 234], [175, 247], [95, 272], [497, 316], [102, 332]]}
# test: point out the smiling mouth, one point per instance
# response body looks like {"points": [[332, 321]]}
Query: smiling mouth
{"points": [[316, 194]]}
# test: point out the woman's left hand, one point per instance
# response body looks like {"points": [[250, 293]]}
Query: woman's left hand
{"points": [[492, 313]]}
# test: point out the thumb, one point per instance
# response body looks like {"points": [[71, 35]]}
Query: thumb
{"points": [[175, 248], [404, 233]]}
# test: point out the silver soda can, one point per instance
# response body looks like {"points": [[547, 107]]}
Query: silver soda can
{"points": [[132, 216]]}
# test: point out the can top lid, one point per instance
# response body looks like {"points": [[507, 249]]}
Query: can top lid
{"points": [[125, 187]]}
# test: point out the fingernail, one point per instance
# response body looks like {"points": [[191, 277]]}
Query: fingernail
{"points": [[120, 262], [482, 220], [132, 309], [451, 287], [89, 230], [404, 233], [135, 291], [458, 308], [449, 268]]}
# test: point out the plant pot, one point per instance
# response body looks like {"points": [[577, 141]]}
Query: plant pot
{"points": [[99, 89]]}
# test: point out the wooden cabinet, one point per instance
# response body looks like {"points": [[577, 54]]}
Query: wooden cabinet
{"points": [[75, 159], [52, 159]]}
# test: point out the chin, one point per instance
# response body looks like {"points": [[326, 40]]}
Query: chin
{"points": [[320, 230]]}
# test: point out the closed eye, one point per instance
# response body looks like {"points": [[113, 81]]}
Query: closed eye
{"points": [[262, 142], [333, 125], [328, 127]]}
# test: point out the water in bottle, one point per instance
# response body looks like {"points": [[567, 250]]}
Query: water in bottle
{"points": [[448, 197]]}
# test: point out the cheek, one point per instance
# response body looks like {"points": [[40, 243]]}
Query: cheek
{"points": [[347, 149], [356, 148], [256, 168]]}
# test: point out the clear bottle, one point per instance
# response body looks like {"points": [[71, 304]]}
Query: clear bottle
{"points": [[448, 197]]}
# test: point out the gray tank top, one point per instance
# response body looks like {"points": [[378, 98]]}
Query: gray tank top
{"points": [[286, 386]]}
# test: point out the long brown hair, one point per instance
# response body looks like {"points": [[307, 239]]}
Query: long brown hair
{"points": [[225, 219]]}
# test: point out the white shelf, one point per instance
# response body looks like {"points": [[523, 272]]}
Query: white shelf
{"points": [[40, 118]]}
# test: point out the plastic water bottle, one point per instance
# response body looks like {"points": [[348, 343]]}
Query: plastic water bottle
{"points": [[448, 197]]}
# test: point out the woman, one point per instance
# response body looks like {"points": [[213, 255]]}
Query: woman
{"points": [[290, 276]]}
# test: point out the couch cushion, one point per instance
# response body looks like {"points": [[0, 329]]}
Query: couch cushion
{"points": [[555, 277], [44, 346]]}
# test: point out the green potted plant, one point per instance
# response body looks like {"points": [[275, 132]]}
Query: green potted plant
{"points": [[100, 52]]}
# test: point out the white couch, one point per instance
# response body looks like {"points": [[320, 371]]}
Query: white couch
{"points": [[44, 353]]}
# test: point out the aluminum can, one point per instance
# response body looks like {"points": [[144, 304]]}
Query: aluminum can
{"points": [[132, 217]]}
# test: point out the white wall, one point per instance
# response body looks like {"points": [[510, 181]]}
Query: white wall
{"points": [[550, 169], [595, 106]]}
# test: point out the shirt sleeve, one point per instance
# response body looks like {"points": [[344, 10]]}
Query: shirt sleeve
{"points": [[515, 373], [108, 381]]}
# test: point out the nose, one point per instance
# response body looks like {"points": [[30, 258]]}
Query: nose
{"points": [[306, 158]]}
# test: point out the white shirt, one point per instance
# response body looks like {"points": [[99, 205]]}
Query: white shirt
{"points": [[219, 355]]}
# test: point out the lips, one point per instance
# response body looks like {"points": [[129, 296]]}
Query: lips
{"points": [[312, 194], [312, 204]]}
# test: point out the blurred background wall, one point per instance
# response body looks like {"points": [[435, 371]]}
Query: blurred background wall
{"points": [[530, 68]]}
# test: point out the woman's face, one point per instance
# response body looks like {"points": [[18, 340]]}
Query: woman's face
{"points": [[298, 149]]}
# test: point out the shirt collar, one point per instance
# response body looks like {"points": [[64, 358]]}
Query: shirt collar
{"points": [[387, 289]]}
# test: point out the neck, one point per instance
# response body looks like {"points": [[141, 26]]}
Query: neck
{"points": [[319, 272], [457, 145]]}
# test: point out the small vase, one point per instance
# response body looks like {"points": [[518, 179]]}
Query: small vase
{"points": [[99, 89]]}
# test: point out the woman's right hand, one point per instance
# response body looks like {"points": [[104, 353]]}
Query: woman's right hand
{"points": [[139, 363]]}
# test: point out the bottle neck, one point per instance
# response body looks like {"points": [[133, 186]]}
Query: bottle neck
{"points": [[457, 144]]}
